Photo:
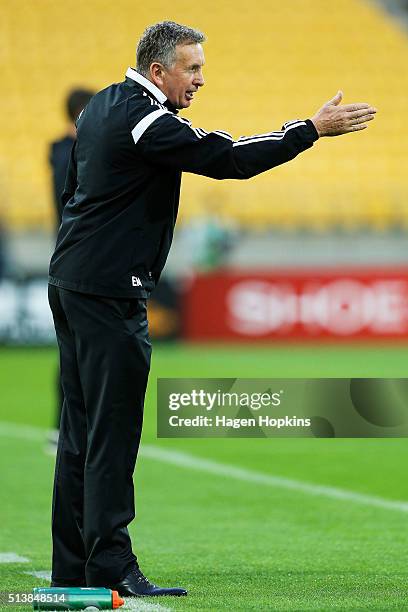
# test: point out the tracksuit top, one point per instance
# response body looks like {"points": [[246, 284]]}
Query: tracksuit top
{"points": [[123, 184]]}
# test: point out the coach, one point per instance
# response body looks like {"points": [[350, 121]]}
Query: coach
{"points": [[120, 207]]}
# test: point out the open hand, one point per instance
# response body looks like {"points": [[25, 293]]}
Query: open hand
{"points": [[333, 119]]}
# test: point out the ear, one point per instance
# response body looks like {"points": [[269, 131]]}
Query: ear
{"points": [[157, 73]]}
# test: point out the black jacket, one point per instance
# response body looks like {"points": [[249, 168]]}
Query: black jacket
{"points": [[123, 184], [60, 152]]}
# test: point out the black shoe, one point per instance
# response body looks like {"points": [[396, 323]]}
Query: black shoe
{"points": [[135, 584]]}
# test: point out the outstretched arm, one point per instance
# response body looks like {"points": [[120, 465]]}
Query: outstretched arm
{"points": [[162, 138], [172, 142]]}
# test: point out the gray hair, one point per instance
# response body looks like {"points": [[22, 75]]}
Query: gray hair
{"points": [[158, 44]]}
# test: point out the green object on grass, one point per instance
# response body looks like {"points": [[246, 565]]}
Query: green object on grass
{"points": [[54, 598]]}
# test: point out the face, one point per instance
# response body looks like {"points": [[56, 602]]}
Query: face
{"points": [[181, 81]]}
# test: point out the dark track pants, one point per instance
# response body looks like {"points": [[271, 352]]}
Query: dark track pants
{"points": [[105, 359]]}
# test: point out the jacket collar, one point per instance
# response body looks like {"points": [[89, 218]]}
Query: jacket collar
{"points": [[131, 73]]}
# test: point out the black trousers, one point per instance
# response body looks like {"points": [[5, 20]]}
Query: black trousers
{"points": [[105, 359]]}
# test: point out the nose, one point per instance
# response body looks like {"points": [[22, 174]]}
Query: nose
{"points": [[199, 79]]}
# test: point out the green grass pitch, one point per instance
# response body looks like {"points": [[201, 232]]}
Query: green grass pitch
{"points": [[234, 544]]}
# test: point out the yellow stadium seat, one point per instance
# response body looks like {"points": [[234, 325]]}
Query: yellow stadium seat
{"points": [[266, 63]]}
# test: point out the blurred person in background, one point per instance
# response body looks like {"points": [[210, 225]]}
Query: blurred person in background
{"points": [[121, 202], [60, 150], [59, 154], [209, 237]]}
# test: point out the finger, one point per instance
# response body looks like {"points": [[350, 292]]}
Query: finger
{"points": [[362, 119], [356, 128], [365, 111], [355, 107], [337, 99]]}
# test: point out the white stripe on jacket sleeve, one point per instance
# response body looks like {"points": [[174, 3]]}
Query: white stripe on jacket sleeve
{"points": [[244, 140], [142, 126]]}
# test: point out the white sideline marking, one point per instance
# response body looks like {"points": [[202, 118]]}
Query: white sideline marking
{"points": [[191, 462], [24, 432], [185, 460], [12, 557], [134, 603], [43, 575]]}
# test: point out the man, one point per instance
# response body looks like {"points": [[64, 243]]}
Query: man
{"points": [[121, 201], [60, 152]]}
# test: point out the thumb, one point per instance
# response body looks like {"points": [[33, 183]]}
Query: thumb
{"points": [[337, 99]]}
